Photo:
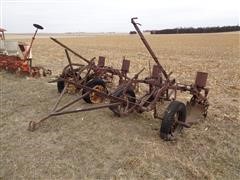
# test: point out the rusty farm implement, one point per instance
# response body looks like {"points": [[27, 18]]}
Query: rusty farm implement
{"points": [[123, 100], [91, 74], [16, 56]]}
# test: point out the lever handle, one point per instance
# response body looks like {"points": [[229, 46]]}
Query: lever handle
{"points": [[133, 22]]}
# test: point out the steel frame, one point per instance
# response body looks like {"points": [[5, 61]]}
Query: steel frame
{"points": [[161, 88], [93, 70]]}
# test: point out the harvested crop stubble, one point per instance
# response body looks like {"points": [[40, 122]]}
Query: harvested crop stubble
{"points": [[100, 145]]}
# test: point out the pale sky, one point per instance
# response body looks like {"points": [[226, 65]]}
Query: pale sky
{"points": [[17, 16]]}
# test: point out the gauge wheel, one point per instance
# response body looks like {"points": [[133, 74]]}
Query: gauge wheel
{"points": [[129, 96], [93, 97], [60, 85], [176, 111]]}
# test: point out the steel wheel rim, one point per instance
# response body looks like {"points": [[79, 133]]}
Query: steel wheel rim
{"points": [[71, 89], [94, 97], [123, 106]]}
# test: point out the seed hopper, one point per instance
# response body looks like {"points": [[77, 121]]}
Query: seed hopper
{"points": [[124, 100], [90, 73]]}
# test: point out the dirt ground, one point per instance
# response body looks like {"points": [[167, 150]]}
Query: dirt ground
{"points": [[98, 145]]}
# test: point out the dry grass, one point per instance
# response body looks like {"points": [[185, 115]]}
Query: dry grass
{"points": [[99, 145]]}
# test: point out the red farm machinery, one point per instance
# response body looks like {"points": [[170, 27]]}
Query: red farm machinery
{"points": [[16, 57]]}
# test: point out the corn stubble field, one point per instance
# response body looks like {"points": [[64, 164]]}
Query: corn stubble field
{"points": [[99, 145]]}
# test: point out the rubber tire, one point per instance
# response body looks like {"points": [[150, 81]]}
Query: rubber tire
{"points": [[132, 99], [60, 86], [168, 119], [91, 84]]}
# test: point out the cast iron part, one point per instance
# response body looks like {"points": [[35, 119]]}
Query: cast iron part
{"points": [[123, 100], [89, 70]]}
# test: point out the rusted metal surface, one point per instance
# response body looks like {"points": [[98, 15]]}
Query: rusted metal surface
{"points": [[125, 66], [123, 100], [148, 46], [201, 79], [70, 50], [89, 70], [156, 71], [101, 61], [16, 57]]}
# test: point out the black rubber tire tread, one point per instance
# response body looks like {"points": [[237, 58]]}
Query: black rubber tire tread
{"points": [[68, 67], [91, 84], [132, 98], [168, 119], [60, 86]]}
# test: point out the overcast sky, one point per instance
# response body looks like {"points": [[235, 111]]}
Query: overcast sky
{"points": [[114, 15]]}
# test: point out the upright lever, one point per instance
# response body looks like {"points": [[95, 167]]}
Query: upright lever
{"points": [[148, 47]]}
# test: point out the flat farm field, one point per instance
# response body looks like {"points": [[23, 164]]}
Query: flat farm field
{"points": [[99, 145]]}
